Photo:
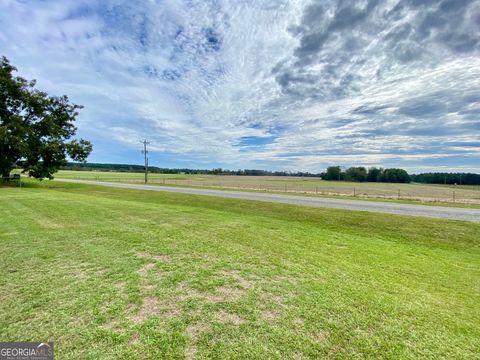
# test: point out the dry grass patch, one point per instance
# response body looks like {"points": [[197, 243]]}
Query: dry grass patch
{"points": [[221, 294], [157, 257], [290, 280], [135, 339], [298, 356], [235, 274], [271, 307], [145, 268], [47, 223], [172, 311], [80, 274], [227, 317], [270, 315], [149, 308], [163, 258], [299, 323], [224, 294], [110, 325], [321, 336], [80, 271], [121, 288], [185, 221], [186, 293], [193, 331]]}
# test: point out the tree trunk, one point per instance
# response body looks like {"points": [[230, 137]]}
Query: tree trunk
{"points": [[6, 173]]}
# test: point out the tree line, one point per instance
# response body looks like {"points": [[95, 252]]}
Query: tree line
{"points": [[159, 170], [333, 173], [447, 178]]}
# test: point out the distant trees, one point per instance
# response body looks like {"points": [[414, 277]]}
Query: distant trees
{"points": [[361, 174], [447, 178], [155, 169]]}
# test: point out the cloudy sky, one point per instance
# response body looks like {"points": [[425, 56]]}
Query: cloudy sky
{"points": [[274, 84]]}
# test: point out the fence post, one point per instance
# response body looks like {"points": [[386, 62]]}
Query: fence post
{"points": [[354, 193], [453, 195], [398, 194]]}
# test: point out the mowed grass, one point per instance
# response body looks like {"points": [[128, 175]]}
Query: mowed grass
{"points": [[121, 274], [459, 194]]}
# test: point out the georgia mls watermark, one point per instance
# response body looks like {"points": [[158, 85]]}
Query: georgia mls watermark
{"points": [[26, 351]]}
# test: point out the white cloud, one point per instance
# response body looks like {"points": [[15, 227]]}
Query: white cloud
{"points": [[383, 83]]}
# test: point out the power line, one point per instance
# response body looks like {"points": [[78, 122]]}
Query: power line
{"points": [[145, 152]]}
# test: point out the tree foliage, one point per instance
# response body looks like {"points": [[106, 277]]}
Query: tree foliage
{"points": [[447, 178], [361, 174], [36, 129], [395, 176], [333, 173], [374, 174], [356, 174]]}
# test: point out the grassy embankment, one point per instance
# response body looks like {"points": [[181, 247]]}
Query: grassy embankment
{"points": [[115, 273]]}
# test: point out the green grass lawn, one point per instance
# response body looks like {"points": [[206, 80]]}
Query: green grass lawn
{"points": [[122, 274]]}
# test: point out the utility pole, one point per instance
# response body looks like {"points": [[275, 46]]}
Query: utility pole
{"points": [[145, 152]]}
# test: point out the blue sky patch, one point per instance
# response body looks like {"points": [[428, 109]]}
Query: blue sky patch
{"points": [[255, 140]]}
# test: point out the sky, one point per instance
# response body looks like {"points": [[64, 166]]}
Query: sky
{"points": [[274, 84]]}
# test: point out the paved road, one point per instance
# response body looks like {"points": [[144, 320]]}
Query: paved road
{"points": [[361, 205]]}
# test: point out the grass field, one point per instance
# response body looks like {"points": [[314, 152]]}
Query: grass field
{"points": [[420, 192], [120, 274]]}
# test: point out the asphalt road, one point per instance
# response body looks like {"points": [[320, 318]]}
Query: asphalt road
{"points": [[443, 212]]}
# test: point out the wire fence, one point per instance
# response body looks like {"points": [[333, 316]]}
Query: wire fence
{"points": [[423, 194], [382, 191], [410, 192]]}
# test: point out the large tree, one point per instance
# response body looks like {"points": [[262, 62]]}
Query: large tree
{"points": [[36, 129]]}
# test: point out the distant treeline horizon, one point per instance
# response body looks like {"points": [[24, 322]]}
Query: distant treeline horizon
{"points": [[333, 173]]}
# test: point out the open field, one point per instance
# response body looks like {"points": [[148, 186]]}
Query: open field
{"points": [[121, 274], [420, 192]]}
